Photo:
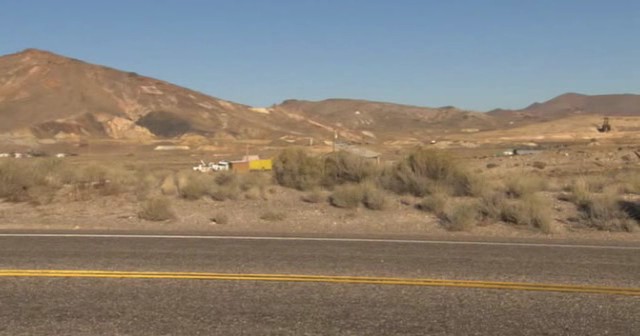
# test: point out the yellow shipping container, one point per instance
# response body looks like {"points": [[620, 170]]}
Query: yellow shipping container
{"points": [[260, 165]]}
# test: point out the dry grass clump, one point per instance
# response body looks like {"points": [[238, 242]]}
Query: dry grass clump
{"points": [[156, 209], [425, 170], [347, 196], [491, 204], [350, 196], [293, 168], [524, 185], [220, 186], [629, 181], [314, 196], [34, 180], [254, 185], [273, 216], [435, 203], [194, 185], [224, 192], [342, 167], [461, 217], [168, 186], [605, 212], [374, 198], [17, 181], [600, 204], [532, 210]]}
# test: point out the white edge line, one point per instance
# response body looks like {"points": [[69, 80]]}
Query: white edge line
{"points": [[359, 240]]}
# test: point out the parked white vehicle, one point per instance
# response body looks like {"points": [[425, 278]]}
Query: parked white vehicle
{"points": [[208, 167]]}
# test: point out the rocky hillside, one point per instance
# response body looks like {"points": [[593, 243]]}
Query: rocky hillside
{"points": [[49, 96], [385, 120]]}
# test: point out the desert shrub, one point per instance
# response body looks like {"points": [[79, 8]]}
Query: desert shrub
{"points": [[225, 178], [530, 210], [193, 185], [492, 165], [342, 167], [35, 180], [605, 212], [168, 186], [224, 192], [630, 182], [273, 216], [491, 205], [539, 165], [156, 209], [374, 198], [15, 182], [104, 180], [293, 168], [435, 203], [350, 196], [145, 185], [347, 196], [255, 180], [253, 194], [579, 191], [314, 196], [423, 169], [461, 217], [523, 185]]}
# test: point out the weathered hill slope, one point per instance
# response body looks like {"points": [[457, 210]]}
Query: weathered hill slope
{"points": [[47, 95], [380, 119], [572, 104]]}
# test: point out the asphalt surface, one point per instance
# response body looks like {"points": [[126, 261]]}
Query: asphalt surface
{"points": [[90, 306]]}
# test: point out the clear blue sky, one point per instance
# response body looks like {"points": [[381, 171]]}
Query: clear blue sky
{"points": [[475, 54]]}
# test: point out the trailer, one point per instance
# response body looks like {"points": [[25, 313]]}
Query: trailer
{"points": [[259, 165]]}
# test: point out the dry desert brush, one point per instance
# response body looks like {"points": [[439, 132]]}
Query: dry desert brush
{"points": [[426, 171], [294, 168], [156, 209]]}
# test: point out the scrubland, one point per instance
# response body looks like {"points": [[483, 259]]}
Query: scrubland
{"points": [[423, 191]]}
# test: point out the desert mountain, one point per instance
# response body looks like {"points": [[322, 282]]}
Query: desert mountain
{"points": [[47, 95], [385, 120], [572, 104]]}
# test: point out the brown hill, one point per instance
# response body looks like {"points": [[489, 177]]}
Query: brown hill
{"points": [[385, 120], [46, 95], [572, 104]]}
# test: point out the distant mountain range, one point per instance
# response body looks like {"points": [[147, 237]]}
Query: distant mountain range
{"points": [[571, 104], [48, 96]]}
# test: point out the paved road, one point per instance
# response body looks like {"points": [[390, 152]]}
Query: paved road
{"points": [[89, 306]]}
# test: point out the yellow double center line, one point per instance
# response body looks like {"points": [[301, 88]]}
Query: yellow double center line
{"points": [[323, 279]]}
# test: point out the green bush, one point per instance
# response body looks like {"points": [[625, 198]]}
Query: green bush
{"points": [[293, 168]]}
